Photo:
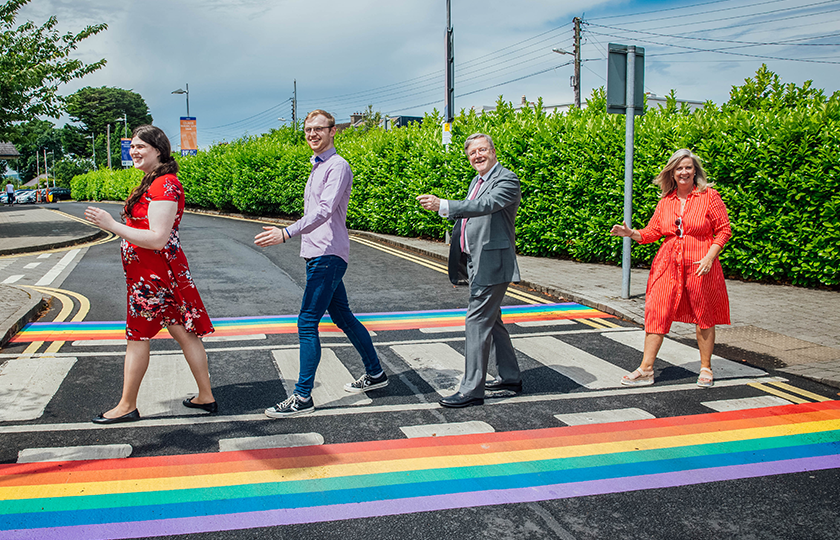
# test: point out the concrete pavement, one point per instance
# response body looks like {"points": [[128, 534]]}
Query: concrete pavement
{"points": [[791, 329]]}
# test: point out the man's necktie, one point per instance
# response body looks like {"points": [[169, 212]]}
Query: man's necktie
{"points": [[464, 220]]}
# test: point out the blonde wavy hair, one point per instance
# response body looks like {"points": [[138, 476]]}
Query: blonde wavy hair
{"points": [[665, 179]]}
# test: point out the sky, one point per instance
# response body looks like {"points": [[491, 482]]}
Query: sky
{"points": [[241, 58]]}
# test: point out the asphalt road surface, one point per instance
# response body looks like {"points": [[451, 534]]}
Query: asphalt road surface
{"points": [[574, 456]]}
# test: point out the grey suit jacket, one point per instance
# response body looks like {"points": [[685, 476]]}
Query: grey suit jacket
{"points": [[491, 231]]}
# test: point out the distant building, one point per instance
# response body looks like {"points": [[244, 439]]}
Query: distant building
{"points": [[8, 151], [388, 122]]}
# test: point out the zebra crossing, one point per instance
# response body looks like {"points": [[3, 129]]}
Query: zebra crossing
{"points": [[29, 382]]}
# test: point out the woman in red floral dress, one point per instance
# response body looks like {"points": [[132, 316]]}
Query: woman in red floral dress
{"points": [[161, 292], [686, 280]]}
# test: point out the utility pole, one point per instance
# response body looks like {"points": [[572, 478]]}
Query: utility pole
{"points": [[577, 21], [449, 104], [449, 99], [294, 107], [108, 144]]}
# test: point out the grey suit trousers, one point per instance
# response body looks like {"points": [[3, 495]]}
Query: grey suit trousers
{"points": [[486, 338]]}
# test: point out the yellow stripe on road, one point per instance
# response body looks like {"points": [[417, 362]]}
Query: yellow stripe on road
{"points": [[67, 306], [779, 393], [795, 390], [438, 267]]}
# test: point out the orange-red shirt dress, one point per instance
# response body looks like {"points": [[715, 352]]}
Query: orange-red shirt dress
{"points": [[674, 292], [159, 286]]}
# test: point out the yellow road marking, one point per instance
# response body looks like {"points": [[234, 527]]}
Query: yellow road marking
{"points": [[74, 218], [801, 392], [67, 305], [608, 323], [519, 295], [591, 322], [779, 393]]}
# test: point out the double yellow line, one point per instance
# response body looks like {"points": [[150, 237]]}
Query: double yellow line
{"points": [[787, 391], [67, 306], [443, 269]]}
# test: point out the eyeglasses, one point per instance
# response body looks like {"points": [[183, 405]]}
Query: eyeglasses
{"points": [[678, 223], [316, 129], [482, 150]]}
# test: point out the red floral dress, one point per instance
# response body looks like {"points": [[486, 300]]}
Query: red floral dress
{"points": [[674, 292], [159, 286]]}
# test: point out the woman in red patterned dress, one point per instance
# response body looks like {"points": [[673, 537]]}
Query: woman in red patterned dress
{"points": [[161, 292], [686, 280]]}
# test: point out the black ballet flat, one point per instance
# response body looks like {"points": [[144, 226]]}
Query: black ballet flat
{"points": [[212, 408], [133, 416]]}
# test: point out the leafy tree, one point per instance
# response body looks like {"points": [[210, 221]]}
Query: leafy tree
{"points": [[34, 62], [97, 107], [767, 92], [31, 139], [65, 169], [371, 118]]}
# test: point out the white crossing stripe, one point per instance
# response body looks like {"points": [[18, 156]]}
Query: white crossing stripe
{"points": [[443, 329], [74, 453], [604, 417], [341, 335], [167, 382], [437, 363], [583, 368], [59, 267], [31, 265], [286, 440], [741, 404], [558, 322], [329, 379], [28, 384], [12, 279], [98, 342], [448, 429], [684, 356], [44, 255], [245, 337]]}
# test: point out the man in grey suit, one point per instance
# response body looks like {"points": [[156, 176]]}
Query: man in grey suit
{"points": [[484, 244]]}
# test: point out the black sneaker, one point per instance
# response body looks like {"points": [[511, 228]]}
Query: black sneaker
{"points": [[366, 383], [294, 406]]}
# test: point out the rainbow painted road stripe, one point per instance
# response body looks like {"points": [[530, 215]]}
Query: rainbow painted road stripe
{"points": [[287, 324], [167, 495]]}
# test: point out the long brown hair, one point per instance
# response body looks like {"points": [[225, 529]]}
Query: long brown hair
{"points": [[157, 139]]}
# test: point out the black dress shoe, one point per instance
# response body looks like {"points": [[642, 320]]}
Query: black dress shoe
{"points": [[498, 384], [133, 416], [212, 408], [459, 400]]}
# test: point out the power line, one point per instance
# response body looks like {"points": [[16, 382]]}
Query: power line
{"points": [[749, 43], [721, 51]]}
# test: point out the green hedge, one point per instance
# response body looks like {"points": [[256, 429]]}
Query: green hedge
{"points": [[771, 151]]}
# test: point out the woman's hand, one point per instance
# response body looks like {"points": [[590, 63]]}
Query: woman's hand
{"points": [[622, 230], [704, 265], [100, 218]]}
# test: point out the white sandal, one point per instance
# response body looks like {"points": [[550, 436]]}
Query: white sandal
{"points": [[706, 381], [641, 379]]}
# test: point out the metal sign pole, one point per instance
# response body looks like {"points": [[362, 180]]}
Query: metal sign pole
{"points": [[629, 119]]}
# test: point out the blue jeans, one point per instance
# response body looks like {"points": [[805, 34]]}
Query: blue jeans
{"points": [[325, 292]]}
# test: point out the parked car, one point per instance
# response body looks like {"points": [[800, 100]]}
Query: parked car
{"points": [[60, 194], [26, 196]]}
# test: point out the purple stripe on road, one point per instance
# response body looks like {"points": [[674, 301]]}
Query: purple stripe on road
{"points": [[283, 516]]}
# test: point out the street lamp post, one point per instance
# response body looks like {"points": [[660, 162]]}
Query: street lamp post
{"points": [[576, 76], [187, 92]]}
